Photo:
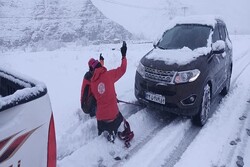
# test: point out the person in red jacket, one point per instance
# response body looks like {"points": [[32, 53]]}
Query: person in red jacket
{"points": [[102, 86], [88, 102]]}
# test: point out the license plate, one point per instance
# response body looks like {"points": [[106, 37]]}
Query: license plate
{"points": [[155, 97]]}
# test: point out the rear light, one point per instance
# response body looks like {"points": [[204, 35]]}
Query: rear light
{"points": [[51, 159]]}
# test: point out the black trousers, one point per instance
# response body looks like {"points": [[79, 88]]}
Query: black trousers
{"points": [[110, 126]]}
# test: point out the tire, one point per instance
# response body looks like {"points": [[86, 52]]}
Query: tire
{"points": [[225, 90], [201, 118]]}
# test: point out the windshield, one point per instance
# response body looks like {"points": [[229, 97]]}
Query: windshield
{"points": [[186, 35]]}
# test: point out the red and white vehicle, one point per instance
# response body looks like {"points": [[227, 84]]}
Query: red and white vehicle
{"points": [[27, 131]]}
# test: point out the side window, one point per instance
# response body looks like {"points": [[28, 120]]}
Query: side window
{"points": [[216, 34]]}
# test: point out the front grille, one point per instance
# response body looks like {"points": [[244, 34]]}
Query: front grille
{"points": [[159, 75]]}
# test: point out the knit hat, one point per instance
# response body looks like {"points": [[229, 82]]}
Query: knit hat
{"points": [[92, 63]]}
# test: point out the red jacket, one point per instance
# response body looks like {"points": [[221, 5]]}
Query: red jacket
{"points": [[103, 89]]}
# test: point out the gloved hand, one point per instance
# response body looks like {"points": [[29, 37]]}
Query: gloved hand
{"points": [[101, 58], [124, 49]]}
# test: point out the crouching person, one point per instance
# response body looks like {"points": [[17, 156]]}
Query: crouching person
{"points": [[102, 86]]}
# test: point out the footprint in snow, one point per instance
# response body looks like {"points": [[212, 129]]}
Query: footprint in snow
{"points": [[242, 117], [240, 162], [235, 142], [248, 132], [112, 153], [118, 158], [238, 140], [100, 162]]}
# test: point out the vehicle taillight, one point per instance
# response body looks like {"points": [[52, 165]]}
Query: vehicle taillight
{"points": [[51, 159]]}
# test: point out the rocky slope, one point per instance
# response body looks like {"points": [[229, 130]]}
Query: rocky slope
{"points": [[54, 23]]}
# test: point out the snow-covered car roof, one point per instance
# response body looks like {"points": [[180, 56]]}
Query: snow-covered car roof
{"points": [[206, 20], [209, 20]]}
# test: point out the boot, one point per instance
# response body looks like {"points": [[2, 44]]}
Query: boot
{"points": [[111, 137]]}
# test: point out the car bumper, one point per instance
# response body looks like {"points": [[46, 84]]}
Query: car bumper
{"points": [[176, 97]]}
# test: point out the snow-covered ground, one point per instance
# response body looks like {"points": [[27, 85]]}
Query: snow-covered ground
{"points": [[160, 140]]}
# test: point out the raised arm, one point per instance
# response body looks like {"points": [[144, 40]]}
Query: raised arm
{"points": [[118, 73]]}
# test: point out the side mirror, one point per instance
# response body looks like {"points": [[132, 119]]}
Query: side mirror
{"points": [[155, 44], [218, 47]]}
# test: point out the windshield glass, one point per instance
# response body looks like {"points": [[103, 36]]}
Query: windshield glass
{"points": [[186, 35]]}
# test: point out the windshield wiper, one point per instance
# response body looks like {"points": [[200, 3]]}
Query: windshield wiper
{"points": [[159, 47]]}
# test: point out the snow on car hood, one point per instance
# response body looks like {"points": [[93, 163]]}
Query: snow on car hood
{"points": [[179, 56]]}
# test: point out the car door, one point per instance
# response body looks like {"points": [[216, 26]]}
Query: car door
{"points": [[219, 61], [225, 56], [228, 48]]}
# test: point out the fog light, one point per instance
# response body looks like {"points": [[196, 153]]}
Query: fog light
{"points": [[189, 101]]}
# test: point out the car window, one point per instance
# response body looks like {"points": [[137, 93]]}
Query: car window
{"points": [[216, 34], [222, 32], [185, 35]]}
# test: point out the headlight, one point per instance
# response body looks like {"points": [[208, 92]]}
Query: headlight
{"points": [[141, 70], [186, 76]]}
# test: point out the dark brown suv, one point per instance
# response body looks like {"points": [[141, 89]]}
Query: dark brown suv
{"points": [[187, 68]]}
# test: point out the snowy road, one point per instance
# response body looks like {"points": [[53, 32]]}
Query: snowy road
{"points": [[160, 139]]}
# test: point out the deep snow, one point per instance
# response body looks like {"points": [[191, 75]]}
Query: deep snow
{"points": [[156, 137], [159, 140]]}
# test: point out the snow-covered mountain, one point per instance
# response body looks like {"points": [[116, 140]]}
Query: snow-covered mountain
{"points": [[52, 23]]}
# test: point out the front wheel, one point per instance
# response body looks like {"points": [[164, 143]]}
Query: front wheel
{"points": [[201, 118]]}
